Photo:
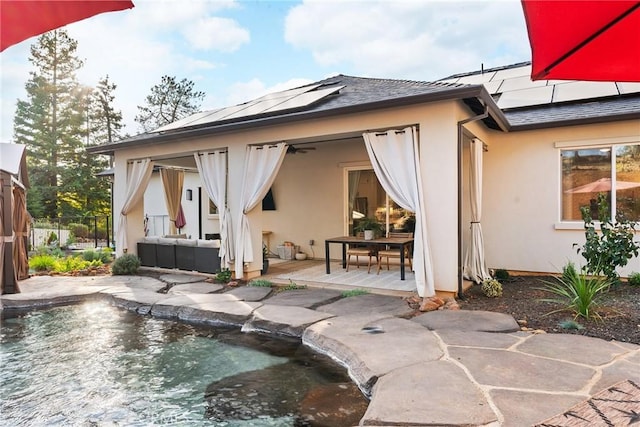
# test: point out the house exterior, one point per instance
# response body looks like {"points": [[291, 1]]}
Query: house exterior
{"points": [[542, 141]]}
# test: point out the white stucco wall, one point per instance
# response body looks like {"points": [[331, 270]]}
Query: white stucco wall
{"points": [[521, 220]]}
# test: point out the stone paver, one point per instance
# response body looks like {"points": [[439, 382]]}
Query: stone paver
{"points": [[393, 344], [234, 313], [308, 298], [502, 368], [368, 304], [250, 293], [283, 320], [478, 339], [561, 347], [179, 279], [441, 368], [464, 320], [195, 288], [520, 408], [435, 393]]}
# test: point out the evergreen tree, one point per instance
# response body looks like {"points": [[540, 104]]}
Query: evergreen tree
{"points": [[169, 101], [106, 122], [48, 122]]}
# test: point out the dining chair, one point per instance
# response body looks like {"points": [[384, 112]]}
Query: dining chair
{"points": [[357, 250], [395, 253]]}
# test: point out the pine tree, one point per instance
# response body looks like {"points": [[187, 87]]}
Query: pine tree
{"points": [[48, 121], [169, 101]]}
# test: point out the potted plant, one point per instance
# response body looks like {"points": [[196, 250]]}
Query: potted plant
{"points": [[369, 226]]}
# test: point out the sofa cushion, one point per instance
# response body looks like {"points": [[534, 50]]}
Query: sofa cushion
{"points": [[167, 241], [208, 243], [150, 239], [186, 242]]}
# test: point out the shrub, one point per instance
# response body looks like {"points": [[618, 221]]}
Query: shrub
{"points": [[354, 293], [72, 263], [613, 247], [90, 255], [42, 262], [125, 265], [53, 238], [502, 275], [54, 251], [79, 230], [491, 288], [634, 279], [579, 293], [223, 276], [569, 271], [262, 283]]}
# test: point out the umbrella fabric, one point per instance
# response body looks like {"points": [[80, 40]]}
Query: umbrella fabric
{"points": [[22, 19], [584, 39], [602, 186]]}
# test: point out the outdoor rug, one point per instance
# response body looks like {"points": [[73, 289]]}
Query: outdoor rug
{"points": [[357, 277], [617, 406]]}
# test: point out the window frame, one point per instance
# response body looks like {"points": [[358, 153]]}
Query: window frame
{"points": [[601, 143]]}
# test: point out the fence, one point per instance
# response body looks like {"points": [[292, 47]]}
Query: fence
{"points": [[73, 232]]}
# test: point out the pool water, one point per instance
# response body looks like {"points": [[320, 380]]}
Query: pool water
{"points": [[97, 365]]}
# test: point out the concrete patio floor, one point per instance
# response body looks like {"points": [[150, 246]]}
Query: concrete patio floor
{"points": [[440, 368]]}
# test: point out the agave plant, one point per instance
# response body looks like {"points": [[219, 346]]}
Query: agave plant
{"points": [[577, 292]]}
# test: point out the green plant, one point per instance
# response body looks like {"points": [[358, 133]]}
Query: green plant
{"points": [[491, 288], [126, 264], [262, 283], [73, 263], [292, 286], [579, 293], [501, 275], [223, 276], [634, 279], [570, 324], [354, 293], [610, 248], [367, 223], [569, 271], [79, 230], [53, 238], [42, 262], [54, 251], [91, 255]]}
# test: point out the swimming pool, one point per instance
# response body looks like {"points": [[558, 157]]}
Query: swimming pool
{"points": [[94, 364]]}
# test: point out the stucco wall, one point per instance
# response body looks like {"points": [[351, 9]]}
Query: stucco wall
{"points": [[521, 219]]}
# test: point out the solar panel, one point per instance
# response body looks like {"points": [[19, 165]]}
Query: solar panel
{"points": [[525, 97], [519, 83], [583, 90], [186, 121], [513, 72], [305, 99], [477, 78], [628, 87]]}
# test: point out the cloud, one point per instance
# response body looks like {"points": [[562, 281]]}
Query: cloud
{"points": [[221, 34], [419, 40]]}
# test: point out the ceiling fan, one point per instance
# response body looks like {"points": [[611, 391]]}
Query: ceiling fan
{"points": [[293, 149]]}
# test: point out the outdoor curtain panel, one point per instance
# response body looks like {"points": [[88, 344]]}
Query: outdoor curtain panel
{"points": [[2, 237], [20, 234], [474, 265], [212, 168], [137, 179], [172, 182], [396, 162], [260, 169]]}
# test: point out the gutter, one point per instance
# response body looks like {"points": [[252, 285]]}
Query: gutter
{"points": [[461, 124]]}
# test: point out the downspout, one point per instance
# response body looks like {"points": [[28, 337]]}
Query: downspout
{"points": [[461, 124]]}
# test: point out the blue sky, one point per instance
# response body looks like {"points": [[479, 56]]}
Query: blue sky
{"points": [[235, 51]]}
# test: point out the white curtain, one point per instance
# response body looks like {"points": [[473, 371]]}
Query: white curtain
{"points": [[212, 168], [2, 237], [474, 264], [172, 182], [138, 177], [395, 158], [260, 169]]}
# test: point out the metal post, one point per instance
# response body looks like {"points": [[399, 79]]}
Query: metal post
{"points": [[95, 230]]}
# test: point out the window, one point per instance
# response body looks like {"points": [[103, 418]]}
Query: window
{"points": [[213, 209], [367, 198], [612, 170]]}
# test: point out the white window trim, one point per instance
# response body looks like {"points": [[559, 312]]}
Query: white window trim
{"points": [[588, 144]]}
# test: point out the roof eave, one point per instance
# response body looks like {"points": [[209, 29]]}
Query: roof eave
{"points": [[576, 122], [462, 92]]}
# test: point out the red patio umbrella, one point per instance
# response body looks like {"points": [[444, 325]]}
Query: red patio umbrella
{"points": [[584, 39], [21, 19]]}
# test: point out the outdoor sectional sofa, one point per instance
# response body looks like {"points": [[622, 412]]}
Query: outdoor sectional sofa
{"points": [[180, 253]]}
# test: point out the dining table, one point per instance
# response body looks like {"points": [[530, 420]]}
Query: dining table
{"points": [[390, 242]]}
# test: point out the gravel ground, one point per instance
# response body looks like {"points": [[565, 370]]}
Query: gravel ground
{"points": [[619, 309]]}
